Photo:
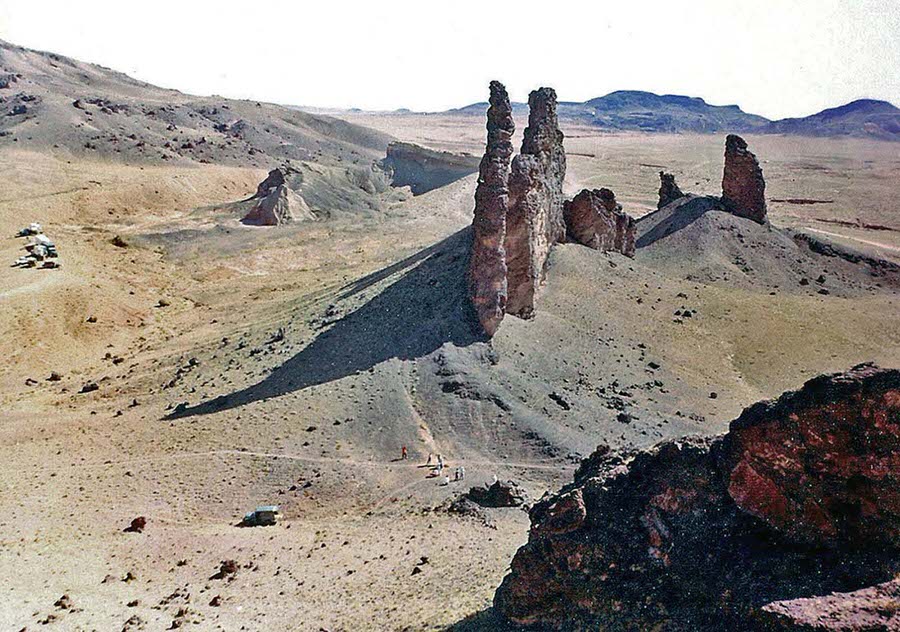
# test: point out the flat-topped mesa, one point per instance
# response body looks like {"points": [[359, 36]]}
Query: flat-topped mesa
{"points": [[594, 219], [743, 186], [668, 190], [487, 264], [535, 219]]}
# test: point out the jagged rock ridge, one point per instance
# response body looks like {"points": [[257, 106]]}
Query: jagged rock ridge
{"points": [[796, 505]]}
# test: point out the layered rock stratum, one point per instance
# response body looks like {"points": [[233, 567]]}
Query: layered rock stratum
{"points": [[423, 169], [789, 518]]}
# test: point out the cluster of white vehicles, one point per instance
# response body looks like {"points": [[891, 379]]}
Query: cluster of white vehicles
{"points": [[41, 250]]}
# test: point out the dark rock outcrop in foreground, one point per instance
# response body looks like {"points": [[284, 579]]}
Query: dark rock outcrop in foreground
{"points": [[594, 219], [535, 220], [423, 169], [790, 521], [668, 190], [743, 186], [487, 265]]}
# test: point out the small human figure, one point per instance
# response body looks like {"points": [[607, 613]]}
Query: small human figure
{"points": [[462, 473], [403, 453], [440, 461], [428, 462]]}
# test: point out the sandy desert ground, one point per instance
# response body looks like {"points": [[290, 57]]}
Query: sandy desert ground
{"points": [[304, 357]]}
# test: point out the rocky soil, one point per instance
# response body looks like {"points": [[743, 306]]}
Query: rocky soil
{"points": [[237, 366]]}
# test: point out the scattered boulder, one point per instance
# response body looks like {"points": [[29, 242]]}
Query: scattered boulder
{"points": [[423, 169], [743, 186], [790, 516], [498, 494], [137, 525], [227, 569], [487, 264], [594, 219], [535, 219], [89, 387], [668, 190]]}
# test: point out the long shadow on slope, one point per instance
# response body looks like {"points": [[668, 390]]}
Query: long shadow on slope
{"points": [[424, 308], [680, 216]]}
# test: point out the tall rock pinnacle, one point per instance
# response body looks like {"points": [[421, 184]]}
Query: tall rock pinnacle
{"points": [[535, 220], [487, 265], [743, 186]]}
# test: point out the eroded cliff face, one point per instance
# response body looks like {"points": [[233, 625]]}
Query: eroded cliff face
{"points": [[796, 507], [488, 262], [535, 221], [743, 186], [423, 169]]}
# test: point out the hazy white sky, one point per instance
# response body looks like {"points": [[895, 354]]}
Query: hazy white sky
{"points": [[772, 57]]}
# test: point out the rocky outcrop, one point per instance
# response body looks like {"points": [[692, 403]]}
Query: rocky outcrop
{"points": [[280, 206], [822, 465], [498, 494], [487, 264], [792, 514], [743, 186], [276, 203], [275, 179], [668, 190], [594, 219], [423, 169], [535, 219]]}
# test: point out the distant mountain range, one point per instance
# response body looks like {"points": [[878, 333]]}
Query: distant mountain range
{"points": [[632, 110], [866, 117]]}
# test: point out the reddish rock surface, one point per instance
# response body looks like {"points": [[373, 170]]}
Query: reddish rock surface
{"points": [[535, 219], [487, 265], [594, 219], [743, 186], [660, 539], [823, 464], [876, 608], [668, 190]]}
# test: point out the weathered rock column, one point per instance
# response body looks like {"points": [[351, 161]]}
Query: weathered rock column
{"points": [[668, 190], [535, 220], [743, 186], [487, 265]]}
